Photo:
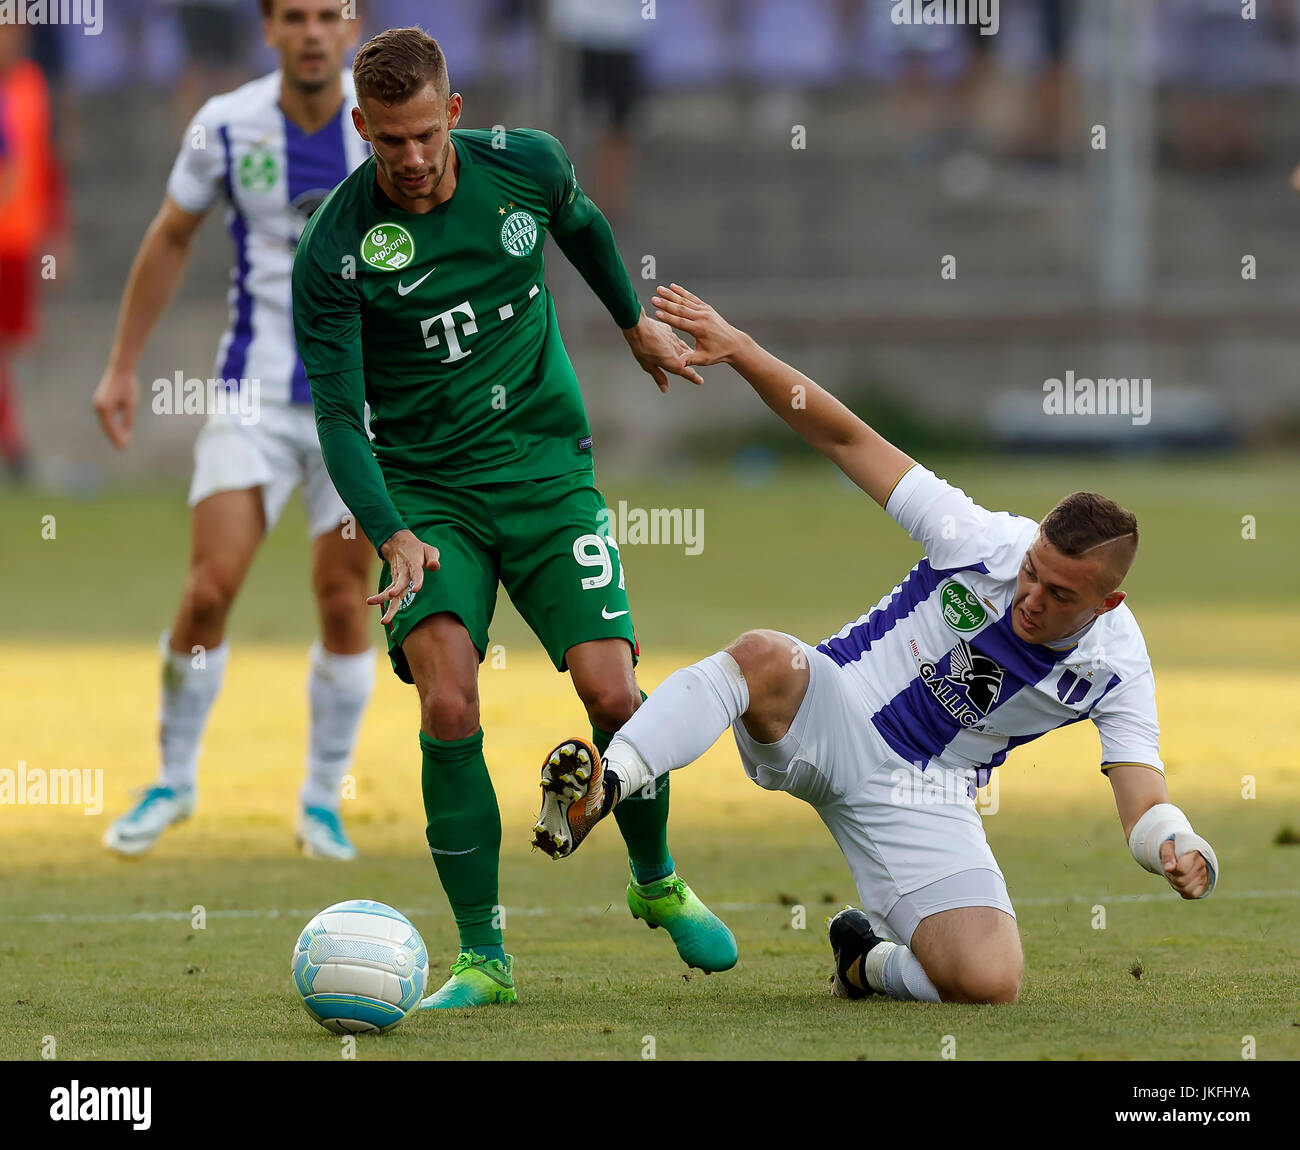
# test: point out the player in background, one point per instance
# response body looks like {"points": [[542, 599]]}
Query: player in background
{"points": [[272, 149], [29, 209], [1006, 630], [418, 287]]}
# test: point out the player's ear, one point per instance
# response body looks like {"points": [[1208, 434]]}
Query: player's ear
{"points": [[359, 122], [453, 109], [1113, 600]]}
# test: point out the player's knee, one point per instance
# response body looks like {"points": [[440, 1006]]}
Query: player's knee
{"points": [[342, 604], [450, 712], [610, 704], [990, 981], [760, 652], [771, 662], [995, 988], [210, 590]]}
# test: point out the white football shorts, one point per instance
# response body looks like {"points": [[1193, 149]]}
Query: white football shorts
{"points": [[277, 453], [901, 829]]}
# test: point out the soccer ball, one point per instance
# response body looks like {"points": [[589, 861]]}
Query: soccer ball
{"points": [[360, 967]]}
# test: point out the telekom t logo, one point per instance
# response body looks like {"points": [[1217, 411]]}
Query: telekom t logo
{"points": [[448, 321]]}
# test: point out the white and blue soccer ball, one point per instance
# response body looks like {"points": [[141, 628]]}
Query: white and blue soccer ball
{"points": [[360, 967]]}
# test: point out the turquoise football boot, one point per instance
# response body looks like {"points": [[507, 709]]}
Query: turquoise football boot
{"points": [[321, 835], [702, 938], [474, 981], [159, 808]]}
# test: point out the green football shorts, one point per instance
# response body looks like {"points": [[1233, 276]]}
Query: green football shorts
{"points": [[544, 540]]}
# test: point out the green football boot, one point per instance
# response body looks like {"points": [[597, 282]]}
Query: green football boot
{"points": [[474, 981], [702, 938]]}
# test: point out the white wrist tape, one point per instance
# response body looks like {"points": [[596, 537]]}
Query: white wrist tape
{"points": [[1160, 824]]}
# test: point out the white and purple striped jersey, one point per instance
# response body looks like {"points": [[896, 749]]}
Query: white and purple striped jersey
{"points": [[273, 176], [948, 681]]}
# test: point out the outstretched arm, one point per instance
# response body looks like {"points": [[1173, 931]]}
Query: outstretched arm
{"points": [[867, 458], [1142, 800], [590, 248]]}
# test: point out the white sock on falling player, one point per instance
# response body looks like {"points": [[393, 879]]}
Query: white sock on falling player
{"points": [[895, 971], [679, 722]]}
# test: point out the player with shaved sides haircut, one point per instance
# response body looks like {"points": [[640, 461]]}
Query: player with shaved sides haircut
{"points": [[1006, 630]]}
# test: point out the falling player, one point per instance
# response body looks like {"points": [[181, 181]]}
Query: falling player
{"points": [[273, 148], [418, 287], [1007, 629]]}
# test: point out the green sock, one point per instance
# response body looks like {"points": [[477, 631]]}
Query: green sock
{"points": [[643, 823], [464, 834]]}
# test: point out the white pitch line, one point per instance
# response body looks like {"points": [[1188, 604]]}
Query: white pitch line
{"points": [[305, 915]]}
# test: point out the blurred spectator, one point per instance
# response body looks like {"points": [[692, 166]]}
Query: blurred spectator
{"points": [[604, 38], [1041, 32], [140, 43], [925, 66], [458, 28], [1220, 66], [219, 43], [795, 45], [690, 44], [28, 186]]}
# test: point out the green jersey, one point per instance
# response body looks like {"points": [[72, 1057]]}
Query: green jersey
{"points": [[443, 324]]}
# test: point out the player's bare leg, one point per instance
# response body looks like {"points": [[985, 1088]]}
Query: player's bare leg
{"points": [[463, 822], [226, 529], [575, 798], [971, 954], [761, 678], [340, 682], [605, 681], [444, 666], [776, 673], [341, 574], [967, 954]]}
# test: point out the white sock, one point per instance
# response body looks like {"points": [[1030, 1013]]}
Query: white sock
{"points": [[188, 692], [679, 722], [895, 971], [338, 688]]}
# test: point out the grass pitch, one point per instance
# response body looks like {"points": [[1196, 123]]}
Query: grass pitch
{"points": [[105, 957]]}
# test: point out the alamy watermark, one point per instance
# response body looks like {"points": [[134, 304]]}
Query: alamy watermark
{"points": [[938, 787], [671, 526], [78, 1103], [1078, 395], [181, 396], [981, 13], [88, 14], [37, 787]]}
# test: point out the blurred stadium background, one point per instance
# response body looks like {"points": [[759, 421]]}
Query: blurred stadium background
{"points": [[920, 142]]}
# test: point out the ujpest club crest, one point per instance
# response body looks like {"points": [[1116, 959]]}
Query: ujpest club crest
{"points": [[258, 171]]}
